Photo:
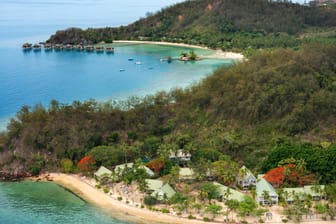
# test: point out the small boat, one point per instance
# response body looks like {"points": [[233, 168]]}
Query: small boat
{"points": [[27, 46], [37, 47], [121, 70], [78, 47], [150, 68], [131, 59], [138, 62]]}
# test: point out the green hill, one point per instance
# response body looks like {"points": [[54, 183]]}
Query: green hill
{"points": [[240, 111], [226, 24]]}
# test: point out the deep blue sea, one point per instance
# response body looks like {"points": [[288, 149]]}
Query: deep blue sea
{"points": [[29, 78]]}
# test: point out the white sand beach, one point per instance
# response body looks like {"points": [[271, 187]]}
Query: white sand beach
{"points": [[218, 54], [85, 188]]}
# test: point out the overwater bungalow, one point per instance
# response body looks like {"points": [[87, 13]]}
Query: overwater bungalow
{"points": [[47, 47], [58, 47], [89, 48], [27, 46], [37, 47], [109, 50], [68, 47], [78, 47], [100, 49]]}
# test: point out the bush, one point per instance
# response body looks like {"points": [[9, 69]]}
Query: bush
{"points": [[34, 169], [284, 220], [164, 210], [191, 217], [119, 198], [106, 190], [98, 186], [67, 165], [149, 200], [244, 222], [206, 219]]}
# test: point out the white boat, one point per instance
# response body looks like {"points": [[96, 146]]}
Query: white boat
{"points": [[138, 62]]}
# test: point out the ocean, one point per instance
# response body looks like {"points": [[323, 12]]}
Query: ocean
{"points": [[30, 78]]}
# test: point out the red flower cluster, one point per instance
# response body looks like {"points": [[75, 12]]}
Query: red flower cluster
{"points": [[285, 174], [86, 163], [156, 165]]}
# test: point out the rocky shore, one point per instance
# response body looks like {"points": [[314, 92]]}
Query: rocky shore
{"points": [[13, 176]]}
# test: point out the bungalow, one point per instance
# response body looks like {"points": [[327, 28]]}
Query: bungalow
{"points": [[227, 193], [179, 155], [102, 172], [159, 190], [290, 194], [316, 192], [245, 178], [186, 174], [265, 193], [120, 169]]}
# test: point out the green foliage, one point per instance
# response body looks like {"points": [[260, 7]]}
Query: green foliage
{"points": [[210, 190], [67, 165], [149, 200], [222, 24], [107, 155]]}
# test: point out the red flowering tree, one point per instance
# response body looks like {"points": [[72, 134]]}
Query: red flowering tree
{"points": [[288, 175], [157, 165], [86, 164]]}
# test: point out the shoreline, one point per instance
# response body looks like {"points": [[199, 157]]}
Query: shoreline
{"points": [[218, 54], [85, 188], [113, 207]]}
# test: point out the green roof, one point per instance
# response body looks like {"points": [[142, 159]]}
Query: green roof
{"points": [[160, 189], [290, 193], [154, 185], [245, 171], [308, 190], [186, 173], [263, 185], [102, 171], [121, 167], [233, 194]]}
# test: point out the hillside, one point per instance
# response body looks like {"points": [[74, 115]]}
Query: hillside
{"points": [[226, 24], [240, 111]]}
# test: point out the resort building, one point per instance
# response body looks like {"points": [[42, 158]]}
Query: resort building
{"points": [[102, 172], [226, 193], [265, 193], [179, 155], [186, 174], [316, 192], [120, 169], [245, 178], [159, 190]]}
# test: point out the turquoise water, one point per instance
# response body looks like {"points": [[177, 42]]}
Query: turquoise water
{"points": [[46, 203], [29, 78]]}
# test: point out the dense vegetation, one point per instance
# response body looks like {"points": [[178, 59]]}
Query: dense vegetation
{"points": [[227, 24], [242, 111]]}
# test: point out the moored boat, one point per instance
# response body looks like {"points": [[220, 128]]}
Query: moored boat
{"points": [[58, 47], [68, 47], [89, 48], [47, 47], [100, 49]]}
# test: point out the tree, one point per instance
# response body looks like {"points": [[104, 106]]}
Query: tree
{"points": [[214, 210], [67, 165], [157, 165], [174, 175], [232, 205], [107, 155], [246, 207], [86, 164], [210, 190], [226, 170]]}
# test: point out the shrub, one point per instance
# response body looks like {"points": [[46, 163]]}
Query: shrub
{"points": [[191, 217], [164, 210], [106, 190], [206, 219], [67, 165], [284, 220], [149, 200], [119, 198]]}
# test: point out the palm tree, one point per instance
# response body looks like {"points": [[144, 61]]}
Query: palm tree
{"points": [[266, 196]]}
